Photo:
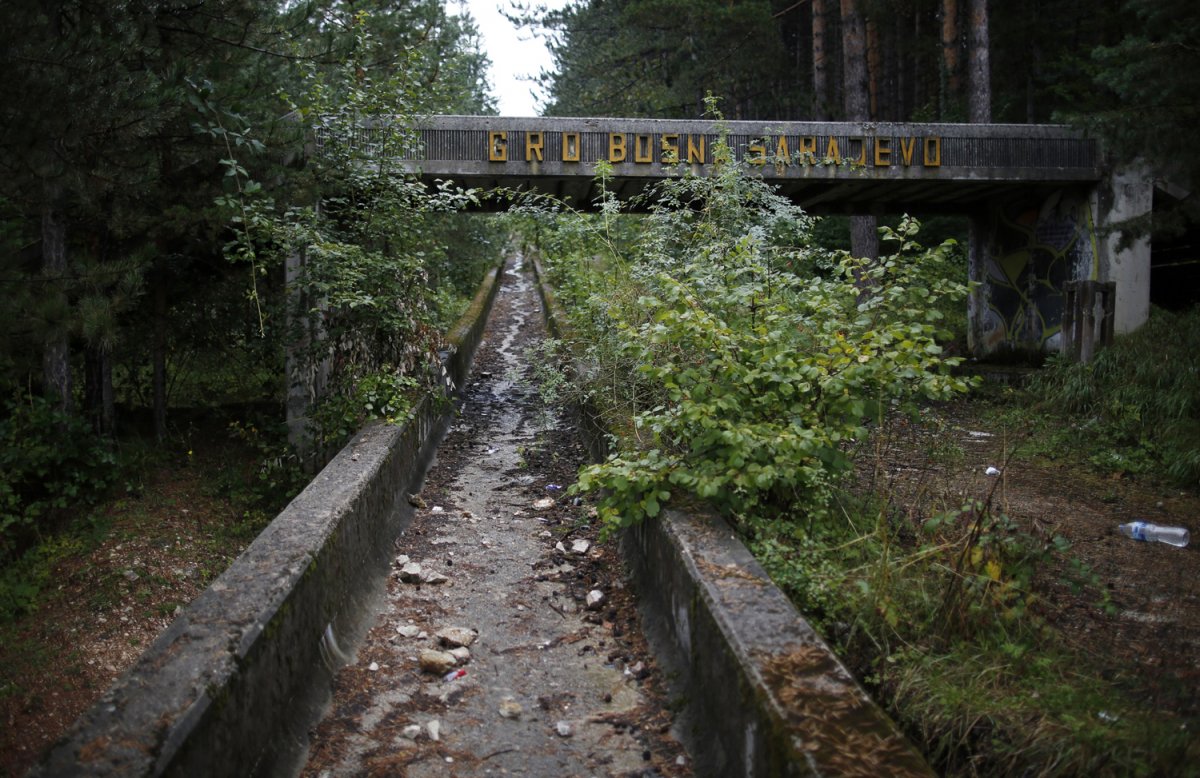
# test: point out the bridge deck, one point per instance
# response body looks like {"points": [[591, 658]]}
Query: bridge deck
{"points": [[820, 165]]}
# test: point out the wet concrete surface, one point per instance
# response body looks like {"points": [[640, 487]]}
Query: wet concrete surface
{"points": [[552, 686]]}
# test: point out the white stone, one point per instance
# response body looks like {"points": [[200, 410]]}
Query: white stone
{"points": [[462, 654], [564, 729], [580, 546], [437, 662], [434, 728], [456, 636], [410, 573], [595, 598], [433, 578], [409, 630]]}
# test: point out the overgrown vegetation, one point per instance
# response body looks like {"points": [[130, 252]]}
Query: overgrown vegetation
{"points": [[157, 184], [742, 366], [1135, 408]]}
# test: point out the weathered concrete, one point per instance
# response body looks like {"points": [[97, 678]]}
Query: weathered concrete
{"points": [[842, 166], [1045, 203], [762, 693], [232, 685], [1026, 247], [1127, 194]]}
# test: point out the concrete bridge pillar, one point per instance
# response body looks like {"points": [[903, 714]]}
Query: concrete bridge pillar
{"points": [[1125, 194], [1023, 251]]}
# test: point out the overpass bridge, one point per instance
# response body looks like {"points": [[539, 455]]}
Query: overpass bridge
{"points": [[1043, 202]]}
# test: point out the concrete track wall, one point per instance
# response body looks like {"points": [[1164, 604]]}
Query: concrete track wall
{"points": [[231, 686]]}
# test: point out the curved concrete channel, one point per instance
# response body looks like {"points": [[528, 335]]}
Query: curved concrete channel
{"points": [[551, 681], [472, 626]]}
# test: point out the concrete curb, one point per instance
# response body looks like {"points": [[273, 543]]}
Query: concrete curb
{"points": [[231, 687], [762, 694]]}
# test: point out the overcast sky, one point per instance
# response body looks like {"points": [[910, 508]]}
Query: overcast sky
{"points": [[514, 55]]}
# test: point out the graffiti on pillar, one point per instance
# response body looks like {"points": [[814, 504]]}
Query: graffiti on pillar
{"points": [[1034, 249]]}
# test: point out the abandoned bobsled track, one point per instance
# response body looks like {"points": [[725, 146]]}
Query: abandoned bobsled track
{"points": [[556, 678]]}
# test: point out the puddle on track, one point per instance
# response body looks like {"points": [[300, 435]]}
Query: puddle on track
{"points": [[540, 656]]}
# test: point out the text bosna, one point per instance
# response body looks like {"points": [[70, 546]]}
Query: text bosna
{"points": [[640, 148]]}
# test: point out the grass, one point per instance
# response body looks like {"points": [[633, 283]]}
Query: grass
{"points": [[981, 712], [1135, 408]]}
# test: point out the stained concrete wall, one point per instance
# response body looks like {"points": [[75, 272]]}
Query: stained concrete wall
{"points": [[761, 693], [231, 687], [1024, 250]]}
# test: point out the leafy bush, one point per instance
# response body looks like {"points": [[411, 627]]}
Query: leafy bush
{"points": [[760, 377], [50, 462], [51, 466]]}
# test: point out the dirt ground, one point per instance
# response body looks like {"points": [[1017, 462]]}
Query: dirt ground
{"points": [[103, 607], [1151, 643]]}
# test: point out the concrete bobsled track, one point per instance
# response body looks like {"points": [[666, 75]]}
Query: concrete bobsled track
{"points": [[233, 686]]}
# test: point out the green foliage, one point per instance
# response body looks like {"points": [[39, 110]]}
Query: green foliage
{"points": [[22, 579], [51, 467], [659, 57], [757, 377], [275, 474], [383, 395], [1135, 406], [1141, 97], [998, 710], [50, 462]]}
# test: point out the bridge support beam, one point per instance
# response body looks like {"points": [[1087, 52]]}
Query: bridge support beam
{"points": [[1024, 251]]}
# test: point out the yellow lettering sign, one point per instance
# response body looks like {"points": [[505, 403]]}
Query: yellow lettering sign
{"points": [[643, 149], [670, 148], [862, 151], [616, 147], [783, 150], [782, 154], [883, 152], [570, 147], [933, 152], [533, 146], [756, 152], [831, 151], [497, 146]]}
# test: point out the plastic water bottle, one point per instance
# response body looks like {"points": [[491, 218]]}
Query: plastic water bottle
{"points": [[1141, 530]]}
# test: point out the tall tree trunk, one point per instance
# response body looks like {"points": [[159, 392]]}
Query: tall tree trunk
{"points": [[864, 240], [979, 71], [820, 61], [159, 356], [856, 102], [98, 392], [56, 354], [951, 81], [897, 109], [875, 74]]}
